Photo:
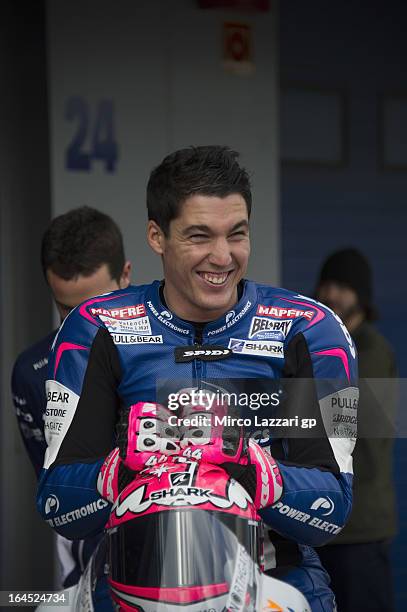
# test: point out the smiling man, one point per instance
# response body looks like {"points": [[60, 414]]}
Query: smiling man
{"points": [[204, 256], [204, 322]]}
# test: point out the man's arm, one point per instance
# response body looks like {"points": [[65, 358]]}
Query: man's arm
{"points": [[82, 409], [316, 469], [28, 392]]}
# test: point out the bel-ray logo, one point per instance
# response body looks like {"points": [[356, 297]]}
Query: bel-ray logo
{"points": [[325, 503]]}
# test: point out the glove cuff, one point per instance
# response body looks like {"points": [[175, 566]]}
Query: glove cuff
{"points": [[114, 476], [269, 482]]}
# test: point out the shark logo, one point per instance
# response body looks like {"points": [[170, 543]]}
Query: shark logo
{"points": [[138, 501], [236, 345]]}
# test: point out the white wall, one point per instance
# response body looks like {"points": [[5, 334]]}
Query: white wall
{"points": [[161, 64]]}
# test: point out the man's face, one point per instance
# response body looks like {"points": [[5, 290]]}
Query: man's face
{"points": [[69, 293], [341, 298], [204, 256]]}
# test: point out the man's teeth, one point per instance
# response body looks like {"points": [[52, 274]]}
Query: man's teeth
{"points": [[216, 279]]}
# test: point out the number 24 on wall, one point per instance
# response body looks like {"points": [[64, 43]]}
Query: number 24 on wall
{"points": [[96, 129]]}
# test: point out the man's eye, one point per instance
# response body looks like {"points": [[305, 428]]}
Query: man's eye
{"points": [[240, 234], [198, 237]]}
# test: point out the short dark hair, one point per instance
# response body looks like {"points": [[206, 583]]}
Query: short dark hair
{"points": [[207, 170], [80, 241]]}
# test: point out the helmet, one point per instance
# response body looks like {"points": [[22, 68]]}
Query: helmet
{"points": [[183, 535]]}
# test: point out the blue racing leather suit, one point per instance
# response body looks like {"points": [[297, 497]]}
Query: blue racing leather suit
{"points": [[28, 390], [113, 351]]}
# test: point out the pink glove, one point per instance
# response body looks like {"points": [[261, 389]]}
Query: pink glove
{"points": [[144, 438], [208, 435], [214, 440], [149, 435], [269, 484], [108, 478]]}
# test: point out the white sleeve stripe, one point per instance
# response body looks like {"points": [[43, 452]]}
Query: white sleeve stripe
{"points": [[61, 407]]}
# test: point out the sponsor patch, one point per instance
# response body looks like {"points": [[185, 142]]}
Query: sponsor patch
{"points": [[284, 313], [38, 365], [262, 328], [52, 507], [138, 501], [304, 517], [323, 503], [136, 339], [231, 318], [261, 348], [140, 325], [165, 318], [339, 413], [126, 312], [60, 410], [205, 353]]}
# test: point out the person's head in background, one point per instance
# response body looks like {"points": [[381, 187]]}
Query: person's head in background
{"points": [[345, 285], [82, 255]]}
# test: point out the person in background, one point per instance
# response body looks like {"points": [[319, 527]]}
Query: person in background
{"points": [[358, 559], [82, 255]]}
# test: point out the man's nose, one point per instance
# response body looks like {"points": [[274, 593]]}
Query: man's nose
{"points": [[220, 253]]}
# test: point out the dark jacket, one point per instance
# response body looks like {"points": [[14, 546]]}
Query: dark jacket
{"points": [[373, 514]]}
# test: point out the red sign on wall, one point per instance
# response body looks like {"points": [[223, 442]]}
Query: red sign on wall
{"points": [[246, 5], [237, 48]]}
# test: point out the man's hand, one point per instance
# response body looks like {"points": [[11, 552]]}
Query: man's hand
{"points": [[259, 474], [144, 437], [209, 439], [147, 433], [227, 446]]}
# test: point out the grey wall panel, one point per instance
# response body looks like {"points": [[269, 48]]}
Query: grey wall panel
{"points": [[161, 65]]}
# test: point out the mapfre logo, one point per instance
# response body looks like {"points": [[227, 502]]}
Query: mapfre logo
{"points": [[127, 312], [284, 313], [52, 505]]}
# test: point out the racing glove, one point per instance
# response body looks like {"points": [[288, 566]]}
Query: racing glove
{"points": [[207, 435], [144, 437], [259, 474], [211, 438]]}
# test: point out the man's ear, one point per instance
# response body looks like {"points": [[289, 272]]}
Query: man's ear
{"points": [[155, 237], [125, 278]]}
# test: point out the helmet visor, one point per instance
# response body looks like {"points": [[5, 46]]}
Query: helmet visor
{"points": [[181, 548]]}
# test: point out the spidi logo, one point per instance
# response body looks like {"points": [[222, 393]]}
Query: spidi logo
{"points": [[52, 504]]}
